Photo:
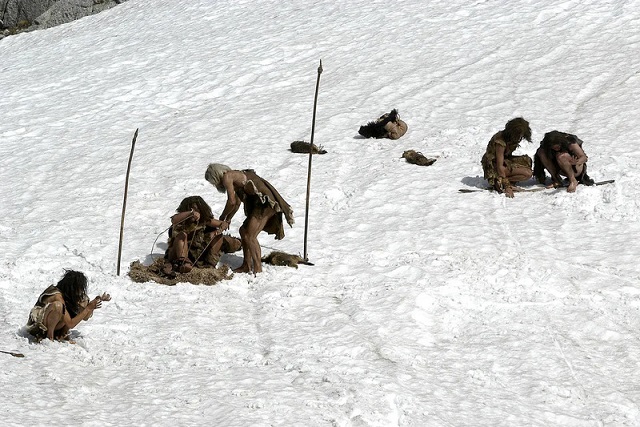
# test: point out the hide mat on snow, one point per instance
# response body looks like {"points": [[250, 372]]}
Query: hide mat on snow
{"points": [[198, 276]]}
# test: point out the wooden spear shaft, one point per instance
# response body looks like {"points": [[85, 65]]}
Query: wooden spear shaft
{"points": [[313, 128], [124, 202]]}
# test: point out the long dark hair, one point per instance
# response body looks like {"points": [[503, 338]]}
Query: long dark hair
{"points": [[515, 131], [73, 287], [197, 203]]}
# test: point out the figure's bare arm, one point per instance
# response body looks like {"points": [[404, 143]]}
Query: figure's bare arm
{"points": [[502, 171], [579, 157], [218, 223], [181, 216], [500, 168], [85, 312], [229, 180]]}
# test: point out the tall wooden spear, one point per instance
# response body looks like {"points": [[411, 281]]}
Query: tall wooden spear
{"points": [[313, 128], [124, 202]]}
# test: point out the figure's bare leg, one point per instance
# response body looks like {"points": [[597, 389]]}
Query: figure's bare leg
{"points": [[212, 255], [549, 165], [257, 256], [256, 228], [250, 245], [53, 319], [180, 247], [244, 268], [519, 173], [564, 161]]}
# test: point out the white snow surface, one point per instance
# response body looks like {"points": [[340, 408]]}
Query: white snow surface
{"points": [[425, 306]]}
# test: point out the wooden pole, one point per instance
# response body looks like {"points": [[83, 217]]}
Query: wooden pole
{"points": [[124, 202], [313, 128]]}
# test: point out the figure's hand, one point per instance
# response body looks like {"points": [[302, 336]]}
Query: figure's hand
{"points": [[508, 192], [95, 303], [105, 297], [224, 225]]}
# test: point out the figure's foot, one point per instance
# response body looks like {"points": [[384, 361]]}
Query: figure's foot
{"points": [[242, 269], [183, 265], [508, 192], [572, 187], [167, 268], [65, 338]]}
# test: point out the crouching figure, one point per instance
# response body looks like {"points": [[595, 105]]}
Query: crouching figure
{"points": [[561, 154], [61, 307], [195, 237], [501, 168]]}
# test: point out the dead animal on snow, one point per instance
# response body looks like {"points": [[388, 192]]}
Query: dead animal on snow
{"points": [[417, 158], [283, 259], [304, 147]]}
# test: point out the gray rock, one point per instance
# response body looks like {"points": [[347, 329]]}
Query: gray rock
{"points": [[29, 15]]}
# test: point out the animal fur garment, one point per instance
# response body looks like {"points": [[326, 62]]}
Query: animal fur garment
{"points": [[386, 126], [417, 158], [304, 147]]}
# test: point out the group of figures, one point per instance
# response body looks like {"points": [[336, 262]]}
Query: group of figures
{"points": [[196, 237], [560, 154]]}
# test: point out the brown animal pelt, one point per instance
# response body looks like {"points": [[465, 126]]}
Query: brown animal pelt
{"points": [[198, 276], [282, 259], [304, 147], [417, 158]]}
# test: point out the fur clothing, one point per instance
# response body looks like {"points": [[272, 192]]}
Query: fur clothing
{"points": [[257, 195], [489, 159]]}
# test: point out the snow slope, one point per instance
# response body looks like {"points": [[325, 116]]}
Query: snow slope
{"points": [[425, 307]]}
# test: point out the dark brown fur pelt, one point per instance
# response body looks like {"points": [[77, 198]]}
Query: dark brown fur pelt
{"points": [[303, 147], [198, 276], [282, 259], [375, 129], [417, 158]]}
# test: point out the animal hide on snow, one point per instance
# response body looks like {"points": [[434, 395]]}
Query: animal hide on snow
{"points": [[386, 126], [282, 259], [417, 158], [304, 147]]}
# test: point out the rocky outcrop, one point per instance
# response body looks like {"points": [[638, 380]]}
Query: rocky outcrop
{"points": [[28, 15]]}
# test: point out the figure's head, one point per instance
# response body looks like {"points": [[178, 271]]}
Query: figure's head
{"points": [[73, 287], [557, 142], [516, 130], [214, 175], [196, 203]]}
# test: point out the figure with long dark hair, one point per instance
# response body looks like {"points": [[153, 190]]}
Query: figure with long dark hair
{"points": [[196, 236], [561, 154], [501, 167], [62, 306]]}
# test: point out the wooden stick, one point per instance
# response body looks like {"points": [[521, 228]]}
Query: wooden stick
{"points": [[313, 128], [14, 354], [124, 202]]}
